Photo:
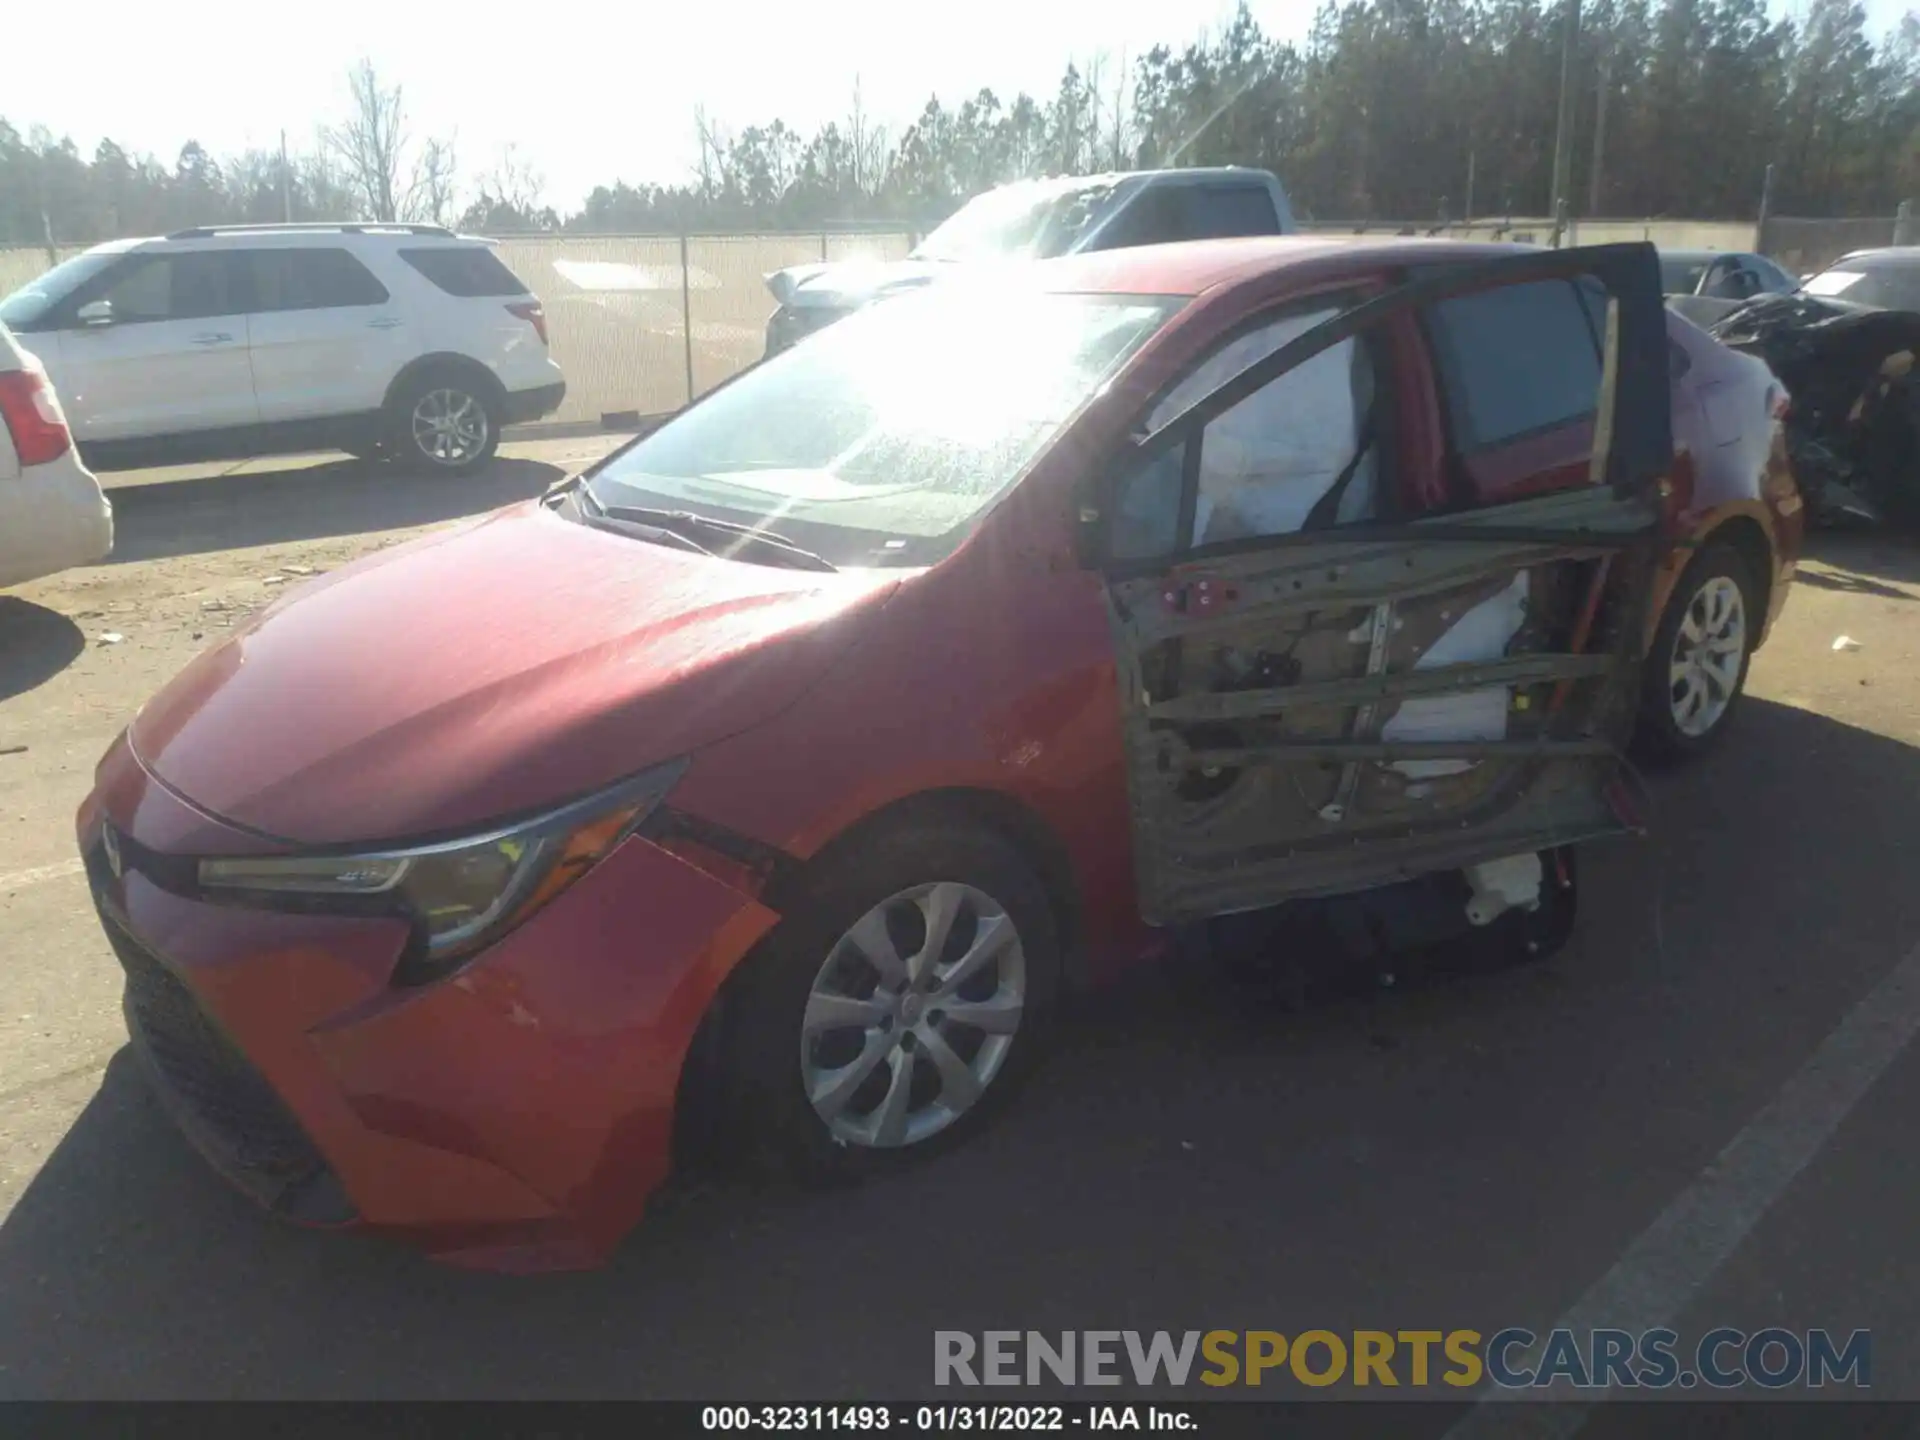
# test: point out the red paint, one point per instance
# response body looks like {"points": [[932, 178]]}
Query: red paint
{"points": [[519, 1114]]}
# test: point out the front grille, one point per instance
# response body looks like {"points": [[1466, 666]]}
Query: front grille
{"points": [[225, 1105]]}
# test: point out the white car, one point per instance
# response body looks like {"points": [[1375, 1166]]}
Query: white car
{"points": [[404, 340], [52, 512]]}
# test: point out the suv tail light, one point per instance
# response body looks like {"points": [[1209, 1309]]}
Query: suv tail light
{"points": [[534, 313], [32, 414]]}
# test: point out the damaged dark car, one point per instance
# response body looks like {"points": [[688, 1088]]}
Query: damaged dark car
{"points": [[1844, 346]]}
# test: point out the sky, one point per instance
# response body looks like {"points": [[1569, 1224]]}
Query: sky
{"points": [[588, 92]]}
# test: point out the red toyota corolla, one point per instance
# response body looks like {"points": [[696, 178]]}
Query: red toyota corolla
{"points": [[774, 778]]}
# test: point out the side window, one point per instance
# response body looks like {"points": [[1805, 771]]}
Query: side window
{"points": [[1772, 276], [1156, 216], [1516, 361], [311, 279], [1299, 449], [192, 285], [1226, 210], [1163, 214], [467, 271]]}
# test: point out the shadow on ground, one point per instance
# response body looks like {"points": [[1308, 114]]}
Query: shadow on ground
{"points": [[1864, 564], [36, 644], [1472, 1154], [314, 502]]}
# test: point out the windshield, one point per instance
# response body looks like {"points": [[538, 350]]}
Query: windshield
{"points": [[1016, 222], [1886, 285], [25, 307], [882, 438]]}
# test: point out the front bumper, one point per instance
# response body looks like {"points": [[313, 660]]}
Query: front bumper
{"points": [[515, 1116]]}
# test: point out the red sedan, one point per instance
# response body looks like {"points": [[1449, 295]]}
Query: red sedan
{"points": [[773, 779]]}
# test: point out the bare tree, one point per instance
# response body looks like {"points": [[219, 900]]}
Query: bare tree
{"points": [[436, 183], [712, 139], [369, 142], [515, 181], [372, 146], [868, 144]]}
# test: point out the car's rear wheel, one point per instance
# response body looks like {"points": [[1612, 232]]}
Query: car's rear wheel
{"points": [[895, 1009], [1696, 669], [444, 422]]}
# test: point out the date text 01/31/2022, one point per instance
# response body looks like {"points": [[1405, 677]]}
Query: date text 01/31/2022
{"points": [[943, 1419]]}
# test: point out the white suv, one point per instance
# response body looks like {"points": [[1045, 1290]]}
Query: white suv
{"points": [[406, 341]]}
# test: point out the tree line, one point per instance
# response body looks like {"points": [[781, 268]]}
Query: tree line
{"points": [[1388, 109]]}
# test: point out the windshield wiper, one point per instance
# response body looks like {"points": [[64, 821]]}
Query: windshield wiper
{"points": [[685, 525], [655, 533]]}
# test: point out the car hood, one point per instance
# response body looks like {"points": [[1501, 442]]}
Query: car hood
{"points": [[850, 284], [489, 671]]}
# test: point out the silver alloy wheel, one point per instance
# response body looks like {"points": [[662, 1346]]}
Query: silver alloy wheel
{"points": [[1703, 673], [912, 1015], [450, 426]]}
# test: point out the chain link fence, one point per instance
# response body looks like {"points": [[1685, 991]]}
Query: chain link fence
{"points": [[641, 324], [1804, 246]]}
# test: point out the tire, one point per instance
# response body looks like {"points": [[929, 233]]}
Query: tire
{"points": [[444, 423], [1683, 718], [768, 1071]]}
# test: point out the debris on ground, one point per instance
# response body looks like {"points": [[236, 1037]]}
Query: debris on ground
{"points": [[110, 637], [13, 749], [1845, 642]]}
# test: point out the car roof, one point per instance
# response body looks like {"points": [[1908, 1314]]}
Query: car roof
{"points": [[1194, 266], [345, 231], [1889, 255]]}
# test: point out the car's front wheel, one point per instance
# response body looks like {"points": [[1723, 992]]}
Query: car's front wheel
{"points": [[1696, 669], [895, 1009], [444, 422]]}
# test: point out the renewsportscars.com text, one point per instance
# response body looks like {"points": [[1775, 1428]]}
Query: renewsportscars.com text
{"points": [[1514, 1358]]}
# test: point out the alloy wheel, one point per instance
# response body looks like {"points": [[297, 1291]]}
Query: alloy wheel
{"points": [[1709, 648], [450, 427], [912, 1015]]}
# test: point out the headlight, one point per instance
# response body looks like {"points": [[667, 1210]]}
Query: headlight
{"points": [[461, 895]]}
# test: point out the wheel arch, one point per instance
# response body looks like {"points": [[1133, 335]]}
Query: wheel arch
{"points": [[1002, 815], [444, 362], [1746, 535], [1750, 540]]}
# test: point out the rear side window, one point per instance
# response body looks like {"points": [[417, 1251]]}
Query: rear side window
{"points": [[316, 279], [1163, 214], [1226, 210], [469, 271], [1515, 361]]}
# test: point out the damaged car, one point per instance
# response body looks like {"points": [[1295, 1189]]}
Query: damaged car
{"points": [[1844, 345], [762, 790]]}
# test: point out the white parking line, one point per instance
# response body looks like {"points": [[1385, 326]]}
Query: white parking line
{"points": [[21, 878], [1657, 1275]]}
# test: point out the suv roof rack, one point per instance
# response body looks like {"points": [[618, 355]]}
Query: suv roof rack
{"points": [[348, 227]]}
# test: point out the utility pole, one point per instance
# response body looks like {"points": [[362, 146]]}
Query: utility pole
{"points": [[1766, 213], [286, 182], [1563, 131], [1599, 133], [1466, 217]]}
